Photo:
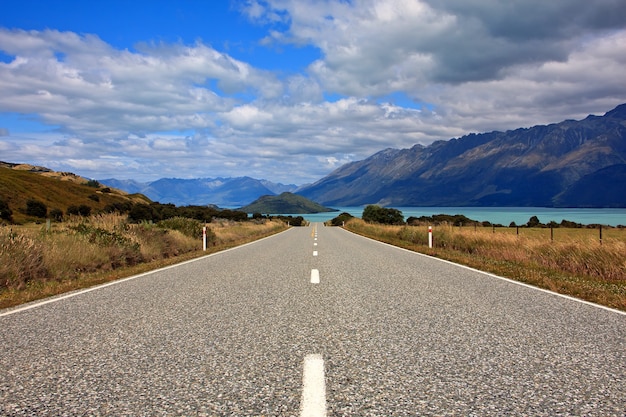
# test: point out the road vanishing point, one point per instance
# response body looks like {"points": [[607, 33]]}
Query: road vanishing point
{"points": [[314, 321]]}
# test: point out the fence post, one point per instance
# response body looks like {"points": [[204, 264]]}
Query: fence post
{"points": [[600, 234], [430, 236]]}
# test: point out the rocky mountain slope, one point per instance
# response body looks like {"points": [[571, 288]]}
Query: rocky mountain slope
{"points": [[568, 164]]}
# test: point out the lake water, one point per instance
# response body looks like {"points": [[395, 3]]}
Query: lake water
{"points": [[499, 215]]}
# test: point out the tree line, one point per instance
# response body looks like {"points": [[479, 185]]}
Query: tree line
{"points": [[137, 212]]}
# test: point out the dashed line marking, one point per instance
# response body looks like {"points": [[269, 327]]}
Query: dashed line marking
{"points": [[315, 276], [313, 387], [314, 253]]}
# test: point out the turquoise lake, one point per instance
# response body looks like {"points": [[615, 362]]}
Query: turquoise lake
{"points": [[500, 215]]}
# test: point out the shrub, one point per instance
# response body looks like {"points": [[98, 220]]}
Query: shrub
{"points": [[188, 227], [339, 220], [383, 215], [142, 212], [36, 208], [533, 222], [5, 212], [82, 210], [118, 207], [56, 214]]}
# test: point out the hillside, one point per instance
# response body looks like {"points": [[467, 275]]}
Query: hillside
{"points": [[285, 203], [567, 164], [21, 183]]}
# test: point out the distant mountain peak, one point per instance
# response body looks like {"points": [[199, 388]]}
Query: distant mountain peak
{"points": [[220, 191]]}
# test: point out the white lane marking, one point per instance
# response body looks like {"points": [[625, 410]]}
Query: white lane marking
{"points": [[313, 387], [315, 276], [314, 253], [315, 244]]}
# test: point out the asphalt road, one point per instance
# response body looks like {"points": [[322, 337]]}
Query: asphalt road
{"points": [[240, 333]]}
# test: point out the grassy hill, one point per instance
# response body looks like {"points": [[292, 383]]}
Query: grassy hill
{"points": [[285, 203], [56, 190]]}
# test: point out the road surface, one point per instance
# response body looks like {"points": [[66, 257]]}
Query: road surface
{"points": [[314, 321]]}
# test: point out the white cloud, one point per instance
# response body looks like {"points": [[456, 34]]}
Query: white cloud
{"points": [[93, 90], [191, 110]]}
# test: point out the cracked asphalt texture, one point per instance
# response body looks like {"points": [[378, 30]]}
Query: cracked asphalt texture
{"points": [[401, 334]]}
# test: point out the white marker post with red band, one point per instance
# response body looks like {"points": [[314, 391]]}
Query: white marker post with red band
{"points": [[430, 236]]}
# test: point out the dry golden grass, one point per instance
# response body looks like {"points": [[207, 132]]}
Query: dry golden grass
{"points": [[36, 262], [575, 262]]}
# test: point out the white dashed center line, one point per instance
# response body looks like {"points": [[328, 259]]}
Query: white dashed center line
{"points": [[314, 387], [315, 276], [314, 253]]}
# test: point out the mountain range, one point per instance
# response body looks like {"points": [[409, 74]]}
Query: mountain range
{"points": [[224, 192], [568, 164]]}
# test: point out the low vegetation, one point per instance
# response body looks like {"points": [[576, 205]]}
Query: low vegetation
{"points": [[568, 260], [585, 261], [38, 260]]}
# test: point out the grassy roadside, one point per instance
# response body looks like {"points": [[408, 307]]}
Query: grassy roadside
{"points": [[574, 262], [36, 263]]}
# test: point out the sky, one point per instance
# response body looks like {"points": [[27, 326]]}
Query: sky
{"points": [[290, 90]]}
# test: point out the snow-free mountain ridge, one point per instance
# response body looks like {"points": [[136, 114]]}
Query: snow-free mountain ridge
{"points": [[567, 164]]}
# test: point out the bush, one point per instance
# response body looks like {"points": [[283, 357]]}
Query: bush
{"points": [[118, 207], [533, 222], [36, 208], [188, 227], [82, 210], [339, 220], [383, 215], [142, 212], [5, 212], [56, 214]]}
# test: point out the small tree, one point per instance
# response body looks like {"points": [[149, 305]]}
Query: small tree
{"points": [[377, 214], [533, 222]]}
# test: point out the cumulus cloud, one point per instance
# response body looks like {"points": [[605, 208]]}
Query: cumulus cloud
{"points": [[91, 89], [375, 47], [182, 110]]}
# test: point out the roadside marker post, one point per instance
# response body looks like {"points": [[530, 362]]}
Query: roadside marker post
{"points": [[204, 238], [430, 237]]}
